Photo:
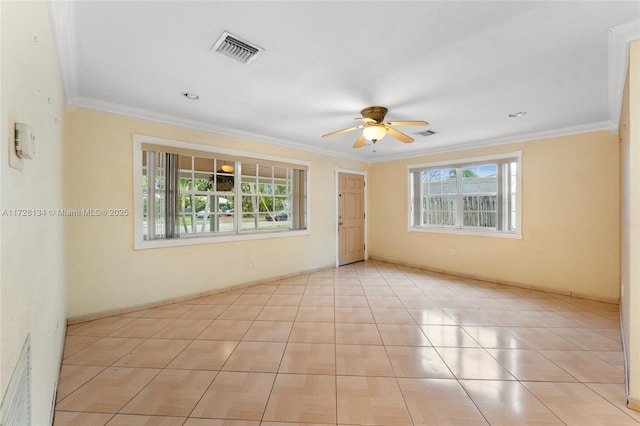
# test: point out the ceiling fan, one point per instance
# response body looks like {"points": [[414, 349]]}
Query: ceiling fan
{"points": [[374, 128]]}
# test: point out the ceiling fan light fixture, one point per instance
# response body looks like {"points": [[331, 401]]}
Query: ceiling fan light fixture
{"points": [[374, 132]]}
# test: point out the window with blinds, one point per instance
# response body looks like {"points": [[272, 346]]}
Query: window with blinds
{"points": [[469, 195], [188, 193]]}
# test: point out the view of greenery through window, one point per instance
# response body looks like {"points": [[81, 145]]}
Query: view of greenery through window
{"points": [[220, 196]]}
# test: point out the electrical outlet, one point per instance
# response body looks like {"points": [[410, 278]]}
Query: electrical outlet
{"points": [[249, 265], [452, 252]]}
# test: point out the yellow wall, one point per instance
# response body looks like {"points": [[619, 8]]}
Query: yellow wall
{"points": [[630, 222], [570, 238], [32, 276], [106, 273]]}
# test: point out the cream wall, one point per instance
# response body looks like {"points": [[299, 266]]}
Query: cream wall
{"points": [[106, 273], [32, 276], [630, 223], [570, 238]]}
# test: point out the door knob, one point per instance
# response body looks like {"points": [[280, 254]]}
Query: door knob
{"points": [[340, 223]]}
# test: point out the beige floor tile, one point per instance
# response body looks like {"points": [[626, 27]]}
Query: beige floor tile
{"points": [[168, 311], [576, 404], [278, 313], [204, 312], [325, 290], [220, 299], [415, 301], [104, 352], [371, 401], [171, 393], [290, 289], [439, 402], [182, 328], [241, 312], [219, 422], [353, 314], [346, 288], [469, 316], [391, 316], [284, 300], [153, 353], [430, 316], [473, 363], [379, 291], [109, 391], [588, 339], [362, 360], [357, 334], [269, 331], [74, 376], [138, 420], [261, 289], [309, 358], [402, 335], [102, 327], [261, 357], [74, 344], [252, 299], [315, 314], [142, 328], [542, 338], [615, 394], [495, 337], [508, 403], [381, 302], [312, 332], [69, 418], [352, 301], [236, 395], [449, 336], [529, 364], [317, 300], [613, 358], [225, 330], [418, 361], [585, 367], [302, 398], [204, 355]]}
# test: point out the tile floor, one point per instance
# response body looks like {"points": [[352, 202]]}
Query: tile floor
{"points": [[370, 343]]}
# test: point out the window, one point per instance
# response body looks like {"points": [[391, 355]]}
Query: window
{"points": [[467, 196], [188, 194]]}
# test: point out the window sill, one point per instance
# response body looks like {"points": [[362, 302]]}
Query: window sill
{"points": [[195, 240], [466, 231]]}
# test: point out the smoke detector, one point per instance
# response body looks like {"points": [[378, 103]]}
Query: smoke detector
{"points": [[236, 48]]}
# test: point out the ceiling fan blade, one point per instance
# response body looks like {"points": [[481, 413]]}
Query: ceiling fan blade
{"points": [[360, 142], [343, 130], [399, 135], [366, 119], [406, 123]]}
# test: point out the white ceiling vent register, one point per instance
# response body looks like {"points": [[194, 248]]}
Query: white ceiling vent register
{"points": [[236, 48]]}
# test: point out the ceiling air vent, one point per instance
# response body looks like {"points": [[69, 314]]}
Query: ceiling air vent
{"points": [[236, 48], [426, 133]]}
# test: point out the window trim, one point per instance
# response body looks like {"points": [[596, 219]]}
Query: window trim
{"points": [[460, 162], [139, 243]]}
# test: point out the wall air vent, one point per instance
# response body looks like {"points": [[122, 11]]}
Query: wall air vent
{"points": [[426, 133], [236, 48]]}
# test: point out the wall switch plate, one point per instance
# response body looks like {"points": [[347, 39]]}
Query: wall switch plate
{"points": [[25, 141], [14, 161]]}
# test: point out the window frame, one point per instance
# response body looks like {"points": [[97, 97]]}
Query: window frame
{"points": [[138, 200], [459, 163]]}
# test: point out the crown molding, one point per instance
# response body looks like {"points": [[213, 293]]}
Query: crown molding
{"points": [[619, 39], [63, 23], [144, 114], [528, 137]]}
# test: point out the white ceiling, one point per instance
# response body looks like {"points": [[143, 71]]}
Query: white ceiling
{"points": [[461, 66]]}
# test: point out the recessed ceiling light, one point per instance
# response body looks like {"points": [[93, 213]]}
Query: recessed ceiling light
{"points": [[517, 114], [190, 95]]}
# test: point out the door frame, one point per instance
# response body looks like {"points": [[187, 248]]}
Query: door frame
{"points": [[363, 173]]}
